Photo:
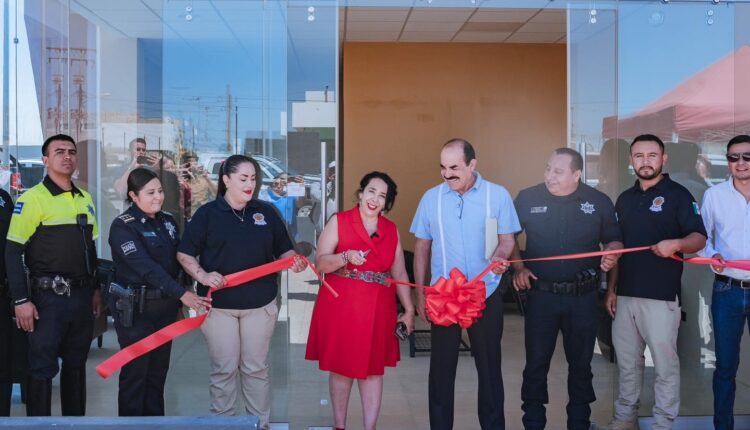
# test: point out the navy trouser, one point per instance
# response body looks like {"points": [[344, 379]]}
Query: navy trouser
{"points": [[142, 380], [64, 329], [546, 315], [485, 337], [6, 351], [730, 309]]}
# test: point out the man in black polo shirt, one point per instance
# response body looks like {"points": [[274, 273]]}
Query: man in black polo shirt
{"points": [[562, 216], [644, 299]]}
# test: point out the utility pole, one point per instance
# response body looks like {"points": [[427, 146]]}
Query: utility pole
{"points": [[229, 120]]}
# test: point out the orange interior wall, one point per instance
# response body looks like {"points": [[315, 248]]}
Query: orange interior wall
{"points": [[402, 101]]}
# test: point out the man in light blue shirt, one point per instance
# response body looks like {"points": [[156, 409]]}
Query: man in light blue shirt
{"points": [[454, 224], [726, 215]]}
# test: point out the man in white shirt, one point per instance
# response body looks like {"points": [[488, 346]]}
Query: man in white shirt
{"points": [[726, 214]]}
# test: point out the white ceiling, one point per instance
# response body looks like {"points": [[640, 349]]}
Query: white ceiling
{"points": [[539, 22], [424, 24]]}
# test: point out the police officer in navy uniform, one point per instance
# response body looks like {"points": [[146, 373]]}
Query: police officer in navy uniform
{"points": [[6, 311], [562, 216], [52, 231], [144, 243]]}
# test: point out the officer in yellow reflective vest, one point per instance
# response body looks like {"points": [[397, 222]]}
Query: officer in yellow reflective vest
{"points": [[52, 230]]}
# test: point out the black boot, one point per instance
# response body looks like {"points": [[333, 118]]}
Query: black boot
{"points": [[73, 392], [6, 388], [39, 398]]}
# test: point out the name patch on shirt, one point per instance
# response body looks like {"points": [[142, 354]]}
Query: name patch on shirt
{"points": [[149, 234], [539, 209], [128, 247], [18, 208]]}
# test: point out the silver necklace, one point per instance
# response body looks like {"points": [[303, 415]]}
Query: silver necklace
{"points": [[241, 218]]}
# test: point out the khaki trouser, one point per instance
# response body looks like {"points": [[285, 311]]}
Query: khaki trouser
{"points": [[640, 322], [238, 343]]}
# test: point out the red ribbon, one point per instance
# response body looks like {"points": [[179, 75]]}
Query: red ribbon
{"points": [[455, 300], [177, 329], [706, 261], [458, 301]]}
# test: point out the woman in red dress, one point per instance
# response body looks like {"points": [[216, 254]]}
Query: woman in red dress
{"points": [[353, 336]]}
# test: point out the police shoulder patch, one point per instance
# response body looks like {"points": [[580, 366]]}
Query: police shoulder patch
{"points": [[126, 218], [128, 247], [18, 208]]}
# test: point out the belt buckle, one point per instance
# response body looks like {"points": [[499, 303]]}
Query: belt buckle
{"points": [[745, 285], [368, 277], [60, 286]]}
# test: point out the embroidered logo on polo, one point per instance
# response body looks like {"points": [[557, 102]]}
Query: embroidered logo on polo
{"points": [[171, 229], [259, 218], [2, 203], [696, 209], [539, 209], [587, 208], [657, 204], [18, 208], [128, 247]]}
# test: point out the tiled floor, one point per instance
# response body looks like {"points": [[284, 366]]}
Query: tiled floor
{"points": [[301, 390]]}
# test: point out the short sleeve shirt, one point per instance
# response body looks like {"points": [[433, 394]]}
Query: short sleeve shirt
{"points": [[665, 211], [463, 219], [45, 221], [559, 225], [228, 241]]}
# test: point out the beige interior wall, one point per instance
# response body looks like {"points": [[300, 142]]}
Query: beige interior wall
{"points": [[403, 101]]}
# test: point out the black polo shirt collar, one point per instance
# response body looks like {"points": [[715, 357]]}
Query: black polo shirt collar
{"points": [[55, 190], [659, 185], [222, 204]]}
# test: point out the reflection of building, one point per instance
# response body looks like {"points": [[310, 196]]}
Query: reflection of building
{"points": [[118, 129]]}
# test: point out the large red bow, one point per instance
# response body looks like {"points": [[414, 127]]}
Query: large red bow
{"points": [[455, 300]]}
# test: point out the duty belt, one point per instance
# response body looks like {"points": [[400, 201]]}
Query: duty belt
{"points": [[733, 282], [58, 284], [367, 276], [566, 288], [146, 293]]}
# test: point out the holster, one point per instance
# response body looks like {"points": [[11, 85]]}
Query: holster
{"points": [[125, 304]]}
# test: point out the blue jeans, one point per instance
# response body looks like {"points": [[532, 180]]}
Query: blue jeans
{"points": [[730, 308]]}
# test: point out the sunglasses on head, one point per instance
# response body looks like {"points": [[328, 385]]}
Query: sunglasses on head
{"points": [[735, 157]]}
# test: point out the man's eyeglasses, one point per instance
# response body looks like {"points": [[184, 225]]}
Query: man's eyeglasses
{"points": [[735, 157]]}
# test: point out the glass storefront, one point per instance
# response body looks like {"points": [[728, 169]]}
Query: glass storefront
{"points": [[198, 81]]}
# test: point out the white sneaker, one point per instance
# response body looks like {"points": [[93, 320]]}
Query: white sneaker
{"points": [[623, 425]]}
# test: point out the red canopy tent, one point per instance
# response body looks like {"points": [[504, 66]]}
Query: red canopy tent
{"points": [[713, 104]]}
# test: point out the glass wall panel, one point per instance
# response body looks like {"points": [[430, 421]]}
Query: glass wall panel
{"points": [[651, 82], [193, 82]]}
